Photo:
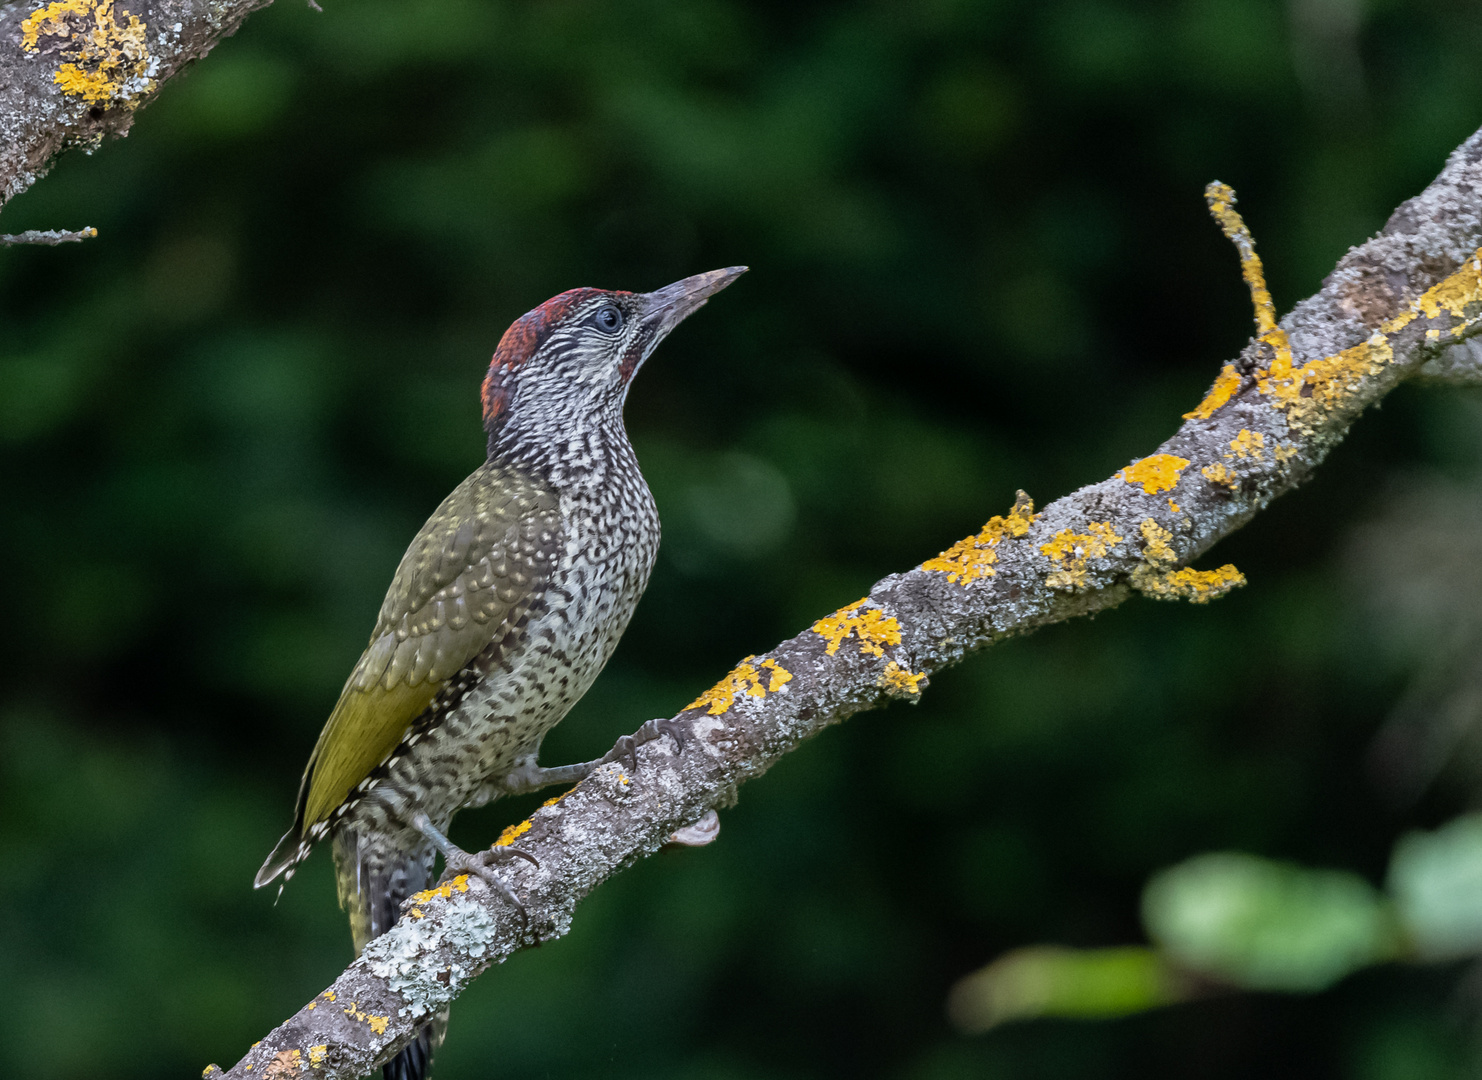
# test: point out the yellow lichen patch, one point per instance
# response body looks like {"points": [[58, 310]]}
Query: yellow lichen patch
{"points": [[1175, 507], [1248, 444], [1072, 550], [328, 995], [1218, 474], [1156, 473], [972, 558], [871, 626], [513, 833], [554, 799], [1225, 385], [317, 1054], [377, 1023], [1307, 394], [106, 58], [1453, 295], [1157, 546], [1198, 586], [744, 680], [778, 675], [1221, 201], [444, 890], [1283, 454], [1157, 578], [898, 681]]}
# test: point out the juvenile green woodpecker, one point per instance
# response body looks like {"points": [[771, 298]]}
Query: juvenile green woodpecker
{"points": [[504, 608]]}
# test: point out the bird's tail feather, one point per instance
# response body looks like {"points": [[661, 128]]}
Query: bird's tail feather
{"points": [[286, 854], [373, 882], [415, 1059]]}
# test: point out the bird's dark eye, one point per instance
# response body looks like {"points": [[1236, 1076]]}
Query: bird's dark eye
{"points": [[609, 319]]}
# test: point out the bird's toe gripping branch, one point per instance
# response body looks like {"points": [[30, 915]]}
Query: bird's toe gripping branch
{"points": [[625, 749], [480, 864]]}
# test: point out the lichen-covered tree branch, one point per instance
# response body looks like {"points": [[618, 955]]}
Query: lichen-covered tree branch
{"points": [[1401, 304], [73, 72]]}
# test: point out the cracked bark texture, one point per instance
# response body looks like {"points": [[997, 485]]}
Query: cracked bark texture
{"points": [[79, 74], [1403, 302]]}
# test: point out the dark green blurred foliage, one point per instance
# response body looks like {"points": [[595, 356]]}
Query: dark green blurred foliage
{"points": [[980, 262]]}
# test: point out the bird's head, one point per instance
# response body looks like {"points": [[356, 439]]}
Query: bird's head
{"points": [[567, 364]]}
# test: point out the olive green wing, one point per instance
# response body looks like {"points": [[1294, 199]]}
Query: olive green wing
{"points": [[468, 580]]}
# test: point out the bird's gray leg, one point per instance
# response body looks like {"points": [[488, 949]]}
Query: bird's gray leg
{"points": [[458, 861], [528, 776]]}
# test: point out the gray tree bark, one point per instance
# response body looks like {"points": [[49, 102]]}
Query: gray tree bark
{"points": [[1404, 303], [73, 72]]}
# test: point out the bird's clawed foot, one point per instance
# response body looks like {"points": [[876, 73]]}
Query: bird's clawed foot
{"points": [[626, 748], [479, 863]]}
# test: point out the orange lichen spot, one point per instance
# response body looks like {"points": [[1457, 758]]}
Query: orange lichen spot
{"points": [[871, 626], [1218, 474], [898, 681], [377, 1023], [328, 995], [972, 558], [1248, 444], [746, 679], [513, 833], [107, 57], [1156, 473], [1197, 586], [554, 799], [1225, 385], [1071, 550], [1175, 507], [317, 1055], [445, 891]]}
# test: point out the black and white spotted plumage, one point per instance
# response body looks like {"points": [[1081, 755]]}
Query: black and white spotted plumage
{"points": [[504, 609]]}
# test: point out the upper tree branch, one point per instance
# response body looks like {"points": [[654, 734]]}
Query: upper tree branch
{"points": [[1391, 305], [74, 71]]}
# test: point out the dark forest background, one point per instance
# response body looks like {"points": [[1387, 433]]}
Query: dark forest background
{"points": [[980, 262]]}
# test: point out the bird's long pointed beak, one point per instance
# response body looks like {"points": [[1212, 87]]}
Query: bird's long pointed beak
{"points": [[671, 305]]}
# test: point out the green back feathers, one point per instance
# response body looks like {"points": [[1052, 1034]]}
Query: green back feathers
{"points": [[467, 581]]}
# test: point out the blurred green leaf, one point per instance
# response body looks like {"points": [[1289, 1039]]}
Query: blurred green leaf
{"points": [[1267, 925], [1436, 881], [1081, 984]]}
